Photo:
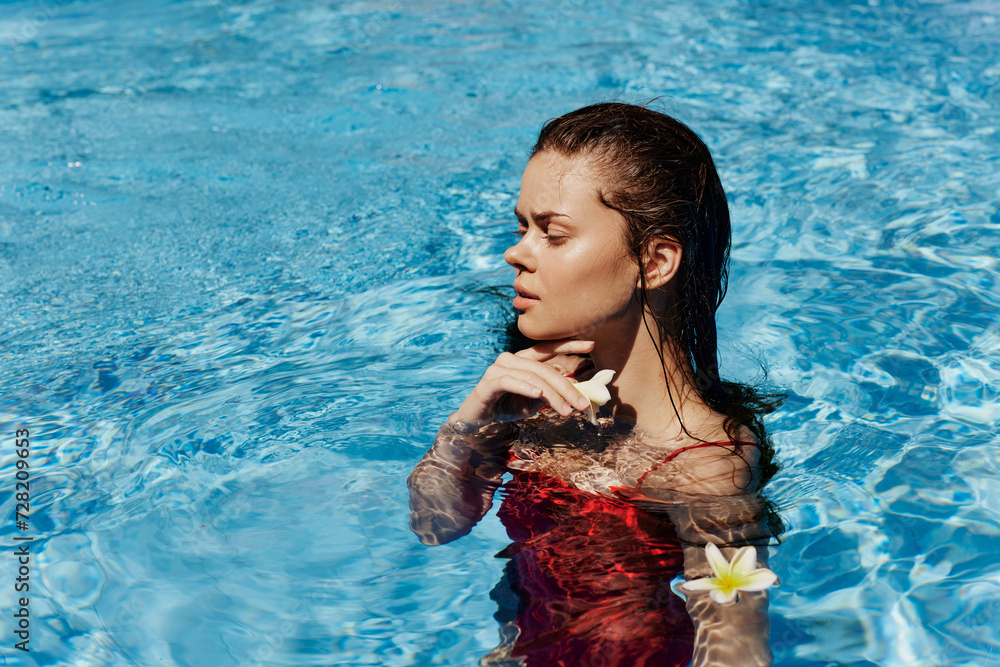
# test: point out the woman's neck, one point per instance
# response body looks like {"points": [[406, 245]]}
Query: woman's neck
{"points": [[640, 387]]}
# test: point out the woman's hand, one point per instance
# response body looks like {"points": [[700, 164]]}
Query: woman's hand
{"points": [[518, 385]]}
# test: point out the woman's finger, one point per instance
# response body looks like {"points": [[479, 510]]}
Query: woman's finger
{"points": [[529, 378], [525, 383], [556, 388], [570, 365], [497, 384], [514, 383]]}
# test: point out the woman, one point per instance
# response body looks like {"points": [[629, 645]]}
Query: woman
{"points": [[621, 263]]}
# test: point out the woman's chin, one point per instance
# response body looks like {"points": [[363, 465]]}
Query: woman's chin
{"points": [[536, 332]]}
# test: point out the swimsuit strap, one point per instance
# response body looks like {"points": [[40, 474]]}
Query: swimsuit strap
{"points": [[674, 453]]}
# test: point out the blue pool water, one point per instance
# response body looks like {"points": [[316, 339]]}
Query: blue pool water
{"points": [[242, 248]]}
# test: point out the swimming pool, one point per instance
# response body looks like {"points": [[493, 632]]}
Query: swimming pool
{"points": [[244, 247]]}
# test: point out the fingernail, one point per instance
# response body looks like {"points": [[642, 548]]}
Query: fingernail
{"points": [[582, 403]]}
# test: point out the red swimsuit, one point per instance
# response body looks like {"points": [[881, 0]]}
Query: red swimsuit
{"points": [[593, 574]]}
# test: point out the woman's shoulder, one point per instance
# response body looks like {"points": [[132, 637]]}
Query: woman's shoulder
{"points": [[709, 460], [708, 430]]}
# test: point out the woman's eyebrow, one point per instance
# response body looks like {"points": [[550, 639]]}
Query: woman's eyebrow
{"points": [[544, 215]]}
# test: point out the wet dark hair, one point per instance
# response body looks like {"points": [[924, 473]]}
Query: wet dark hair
{"points": [[660, 176]]}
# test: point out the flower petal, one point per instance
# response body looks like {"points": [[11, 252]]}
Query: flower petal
{"points": [[718, 562], [758, 580], [723, 597], [604, 377], [595, 391], [595, 388], [744, 562], [703, 584], [590, 413]]}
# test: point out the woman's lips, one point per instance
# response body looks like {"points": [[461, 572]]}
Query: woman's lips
{"points": [[522, 303], [524, 299]]}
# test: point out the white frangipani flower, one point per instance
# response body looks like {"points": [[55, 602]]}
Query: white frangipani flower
{"points": [[597, 391], [742, 574]]}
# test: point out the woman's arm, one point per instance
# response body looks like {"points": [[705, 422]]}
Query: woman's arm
{"points": [[730, 635], [452, 486], [735, 634], [705, 495]]}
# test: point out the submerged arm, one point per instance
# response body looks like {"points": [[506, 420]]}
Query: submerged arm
{"points": [[706, 497], [452, 486], [730, 635]]}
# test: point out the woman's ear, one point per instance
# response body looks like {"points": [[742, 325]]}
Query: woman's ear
{"points": [[662, 259]]}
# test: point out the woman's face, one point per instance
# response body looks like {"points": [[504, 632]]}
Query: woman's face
{"points": [[574, 273]]}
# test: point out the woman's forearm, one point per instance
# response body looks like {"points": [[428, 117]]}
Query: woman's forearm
{"points": [[452, 486], [726, 635], [736, 634], [733, 635]]}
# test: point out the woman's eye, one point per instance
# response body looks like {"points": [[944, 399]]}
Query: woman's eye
{"points": [[548, 238]]}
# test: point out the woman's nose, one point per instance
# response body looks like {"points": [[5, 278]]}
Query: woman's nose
{"points": [[517, 256]]}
